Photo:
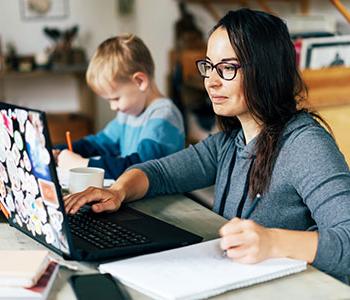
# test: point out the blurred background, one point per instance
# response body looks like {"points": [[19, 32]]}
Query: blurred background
{"points": [[45, 46]]}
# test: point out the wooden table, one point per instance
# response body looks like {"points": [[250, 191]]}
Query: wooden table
{"points": [[185, 213]]}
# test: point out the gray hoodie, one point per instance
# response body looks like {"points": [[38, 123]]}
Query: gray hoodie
{"points": [[309, 189]]}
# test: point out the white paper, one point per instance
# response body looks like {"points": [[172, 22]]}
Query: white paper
{"points": [[195, 272]]}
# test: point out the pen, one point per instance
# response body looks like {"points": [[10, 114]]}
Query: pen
{"points": [[250, 210], [69, 141]]}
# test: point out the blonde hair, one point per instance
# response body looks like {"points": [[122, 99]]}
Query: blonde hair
{"points": [[118, 58]]}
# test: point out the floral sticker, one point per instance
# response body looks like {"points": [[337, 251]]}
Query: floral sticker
{"points": [[18, 140], [5, 138], [2, 152], [40, 210], [7, 122], [19, 220], [15, 154], [26, 161], [49, 233], [9, 202], [37, 226], [13, 172], [22, 117], [3, 173], [56, 219], [2, 190]]}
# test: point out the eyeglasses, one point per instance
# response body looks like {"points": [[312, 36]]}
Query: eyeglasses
{"points": [[226, 71]]}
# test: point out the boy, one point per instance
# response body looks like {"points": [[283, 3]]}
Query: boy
{"points": [[147, 125]]}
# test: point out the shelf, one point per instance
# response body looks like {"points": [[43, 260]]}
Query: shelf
{"points": [[74, 70], [77, 73], [264, 5], [81, 123], [328, 87]]}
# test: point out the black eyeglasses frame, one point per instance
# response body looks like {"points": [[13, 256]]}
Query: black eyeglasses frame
{"points": [[236, 67]]}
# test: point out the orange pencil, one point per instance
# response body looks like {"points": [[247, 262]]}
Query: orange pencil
{"points": [[69, 141]]}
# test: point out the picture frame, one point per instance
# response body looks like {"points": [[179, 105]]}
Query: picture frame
{"points": [[318, 53], [44, 9]]}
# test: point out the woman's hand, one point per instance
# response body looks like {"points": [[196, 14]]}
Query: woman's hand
{"points": [[68, 160], [246, 242], [104, 200]]}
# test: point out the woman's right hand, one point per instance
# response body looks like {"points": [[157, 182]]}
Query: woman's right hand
{"points": [[104, 200]]}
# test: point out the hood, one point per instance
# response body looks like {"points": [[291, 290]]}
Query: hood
{"points": [[296, 123]]}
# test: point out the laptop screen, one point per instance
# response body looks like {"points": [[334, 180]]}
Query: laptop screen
{"points": [[29, 190]]}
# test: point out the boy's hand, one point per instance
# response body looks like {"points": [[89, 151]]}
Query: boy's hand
{"points": [[246, 241], [56, 153], [104, 200], [68, 160]]}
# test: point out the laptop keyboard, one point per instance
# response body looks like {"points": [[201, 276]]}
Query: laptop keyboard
{"points": [[103, 234]]}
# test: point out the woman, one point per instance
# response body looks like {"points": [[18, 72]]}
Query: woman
{"points": [[279, 177]]}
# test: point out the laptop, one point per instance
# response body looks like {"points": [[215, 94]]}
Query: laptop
{"points": [[31, 198]]}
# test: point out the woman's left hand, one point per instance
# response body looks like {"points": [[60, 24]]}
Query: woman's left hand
{"points": [[246, 241]]}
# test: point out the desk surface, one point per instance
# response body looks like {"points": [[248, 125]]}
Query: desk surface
{"points": [[185, 213]]}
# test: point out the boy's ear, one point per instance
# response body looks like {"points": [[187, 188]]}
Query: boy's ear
{"points": [[141, 80]]}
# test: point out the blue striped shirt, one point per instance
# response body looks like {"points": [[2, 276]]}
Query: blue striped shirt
{"points": [[128, 139]]}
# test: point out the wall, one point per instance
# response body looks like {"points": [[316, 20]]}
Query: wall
{"points": [[53, 93], [97, 21], [152, 20]]}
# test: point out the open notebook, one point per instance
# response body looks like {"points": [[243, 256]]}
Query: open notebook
{"points": [[195, 272]]}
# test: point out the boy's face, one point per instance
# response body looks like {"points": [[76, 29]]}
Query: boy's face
{"points": [[126, 97]]}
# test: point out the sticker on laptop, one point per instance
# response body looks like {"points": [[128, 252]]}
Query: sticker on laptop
{"points": [[38, 154], [3, 173], [49, 233], [56, 219], [22, 117], [2, 190], [26, 161], [5, 138], [18, 140], [40, 210], [9, 202], [15, 154], [2, 152], [7, 122], [48, 192]]}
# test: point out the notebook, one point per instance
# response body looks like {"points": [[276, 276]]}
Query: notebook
{"points": [[195, 272], [39, 291], [22, 267], [31, 197]]}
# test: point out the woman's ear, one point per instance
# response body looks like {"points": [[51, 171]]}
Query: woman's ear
{"points": [[141, 80]]}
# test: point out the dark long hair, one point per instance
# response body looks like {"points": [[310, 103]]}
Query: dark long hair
{"points": [[273, 87]]}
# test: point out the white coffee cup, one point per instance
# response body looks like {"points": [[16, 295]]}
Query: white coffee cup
{"points": [[81, 178]]}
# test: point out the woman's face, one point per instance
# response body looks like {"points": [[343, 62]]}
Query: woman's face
{"points": [[227, 96]]}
